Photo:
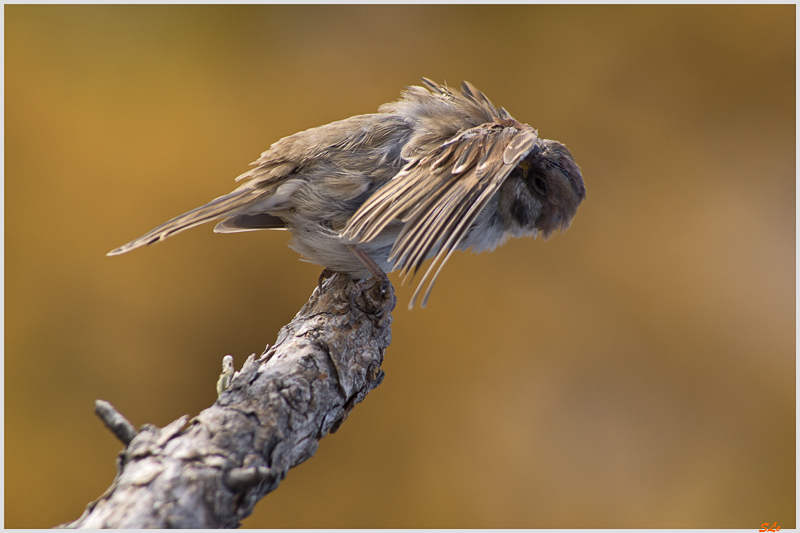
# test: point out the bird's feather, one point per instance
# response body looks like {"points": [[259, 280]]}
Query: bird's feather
{"points": [[439, 195]]}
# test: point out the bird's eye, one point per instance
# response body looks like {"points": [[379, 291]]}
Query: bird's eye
{"points": [[540, 185]]}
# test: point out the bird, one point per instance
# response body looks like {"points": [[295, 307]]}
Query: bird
{"points": [[435, 171]]}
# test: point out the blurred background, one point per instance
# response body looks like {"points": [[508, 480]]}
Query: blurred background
{"points": [[636, 371]]}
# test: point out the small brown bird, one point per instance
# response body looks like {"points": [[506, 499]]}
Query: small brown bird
{"points": [[436, 171]]}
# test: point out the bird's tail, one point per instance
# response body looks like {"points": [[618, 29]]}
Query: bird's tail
{"points": [[224, 206]]}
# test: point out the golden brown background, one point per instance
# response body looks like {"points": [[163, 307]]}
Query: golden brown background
{"points": [[637, 371]]}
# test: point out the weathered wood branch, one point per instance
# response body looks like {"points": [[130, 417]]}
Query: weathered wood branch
{"points": [[211, 472]]}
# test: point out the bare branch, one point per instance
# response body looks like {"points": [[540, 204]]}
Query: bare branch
{"points": [[114, 421], [270, 417]]}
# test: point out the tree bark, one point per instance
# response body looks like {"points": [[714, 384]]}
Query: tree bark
{"points": [[211, 472]]}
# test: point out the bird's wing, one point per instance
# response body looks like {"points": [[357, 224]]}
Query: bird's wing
{"points": [[439, 195], [270, 184]]}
